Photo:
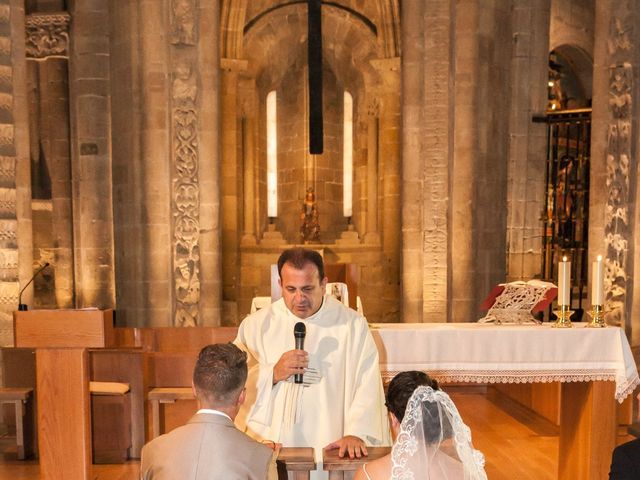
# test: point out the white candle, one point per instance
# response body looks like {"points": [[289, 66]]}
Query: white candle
{"points": [[564, 282], [597, 282]]}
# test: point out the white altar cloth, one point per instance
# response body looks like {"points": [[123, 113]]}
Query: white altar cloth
{"points": [[484, 353]]}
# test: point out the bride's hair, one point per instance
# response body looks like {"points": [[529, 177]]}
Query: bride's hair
{"points": [[402, 387], [399, 392]]}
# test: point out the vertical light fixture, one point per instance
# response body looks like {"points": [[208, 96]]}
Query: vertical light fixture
{"points": [[272, 156], [347, 157]]}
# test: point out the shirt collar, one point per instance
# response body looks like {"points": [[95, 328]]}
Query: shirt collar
{"points": [[211, 411]]}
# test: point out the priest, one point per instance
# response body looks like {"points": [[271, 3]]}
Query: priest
{"points": [[340, 402]]}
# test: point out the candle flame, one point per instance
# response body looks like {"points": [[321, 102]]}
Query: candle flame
{"points": [[564, 259], [599, 258]]}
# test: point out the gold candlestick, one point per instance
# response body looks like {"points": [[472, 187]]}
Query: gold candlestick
{"points": [[597, 317], [564, 317]]}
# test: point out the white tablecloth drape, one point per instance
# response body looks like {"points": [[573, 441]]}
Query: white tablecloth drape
{"points": [[483, 353]]}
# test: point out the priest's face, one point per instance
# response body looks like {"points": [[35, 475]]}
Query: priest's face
{"points": [[302, 289]]}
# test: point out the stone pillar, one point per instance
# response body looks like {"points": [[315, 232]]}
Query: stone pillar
{"points": [[194, 60], [413, 68], [147, 253], [389, 153], [249, 179], [613, 216], [463, 247], [229, 186], [372, 235], [89, 87], [209, 175], [47, 50], [15, 177], [479, 176], [56, 114], [527, 140], [437, 147], [168, 202]]}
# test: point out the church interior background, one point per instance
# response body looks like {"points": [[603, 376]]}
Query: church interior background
{"points": [[155, 153]]}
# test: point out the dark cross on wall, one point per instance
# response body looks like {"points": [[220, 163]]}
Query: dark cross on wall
{"points": [[314, 57]]}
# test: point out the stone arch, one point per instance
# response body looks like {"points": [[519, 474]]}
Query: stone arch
{"points": [[577, 67]]}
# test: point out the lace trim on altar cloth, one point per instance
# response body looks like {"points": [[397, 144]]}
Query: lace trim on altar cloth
{"points": [[623, 390]]}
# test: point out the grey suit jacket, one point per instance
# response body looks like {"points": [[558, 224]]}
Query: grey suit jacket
{"points": [[208, 447]]}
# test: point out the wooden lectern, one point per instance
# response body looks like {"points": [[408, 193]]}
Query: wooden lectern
{"points": [[61, 339]]}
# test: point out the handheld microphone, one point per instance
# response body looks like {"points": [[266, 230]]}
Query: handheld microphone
{"points": [[21, 306], [299, 332]]}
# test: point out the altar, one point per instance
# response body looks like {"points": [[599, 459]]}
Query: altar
{"points": [[595, 368]]}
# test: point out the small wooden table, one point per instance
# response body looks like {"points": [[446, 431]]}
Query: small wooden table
{"points": [[21, 398], [165, 395], [295, 463], [345, 468]]}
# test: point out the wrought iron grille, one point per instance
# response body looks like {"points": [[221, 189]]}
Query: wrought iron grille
{"points": [[566, 214]]}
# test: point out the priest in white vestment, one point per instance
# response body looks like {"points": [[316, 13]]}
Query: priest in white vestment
{"points": [[341, 402]]}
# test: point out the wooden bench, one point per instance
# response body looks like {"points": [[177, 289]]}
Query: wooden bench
{"points": [[22, 399], [110, 421]]}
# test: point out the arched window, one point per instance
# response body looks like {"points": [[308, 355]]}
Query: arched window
{"points": [[347, 156], [272, 156]]}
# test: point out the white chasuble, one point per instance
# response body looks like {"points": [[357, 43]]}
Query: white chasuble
{"points": [[342, 392]]}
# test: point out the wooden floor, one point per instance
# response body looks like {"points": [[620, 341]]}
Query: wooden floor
{"points": [[517, 444]]}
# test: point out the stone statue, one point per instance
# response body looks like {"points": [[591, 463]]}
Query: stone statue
{"points": [[310, 228]]}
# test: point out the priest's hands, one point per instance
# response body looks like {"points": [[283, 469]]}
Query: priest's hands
{"points": [[290, 363], [349, 445]]}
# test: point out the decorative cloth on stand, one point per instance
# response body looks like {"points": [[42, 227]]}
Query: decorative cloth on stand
{"points": [[516, 302]]}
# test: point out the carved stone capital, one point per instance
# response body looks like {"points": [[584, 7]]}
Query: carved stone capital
{"points": [[47, 35]]}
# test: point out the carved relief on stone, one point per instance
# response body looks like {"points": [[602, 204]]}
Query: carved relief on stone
{"points": [[373, 107], [184, 89], [5, 13], [618, 171], [7, 133], [47, 35], [620, 78], [183, 22], [8, 232], [5, 46], [619, 36], [186, 197], [6, 78], [9, 293], [7, 202], [7, 169], [8, 258]]}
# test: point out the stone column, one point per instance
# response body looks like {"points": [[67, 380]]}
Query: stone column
{"points": [[389, 154], [249, 152], [413, 83], [372, 236], [229, 186], [613, 216], [89, 87], [479, 176], [209, 175], [437, 147], [527, 140], [15, 177], [56, 114]]}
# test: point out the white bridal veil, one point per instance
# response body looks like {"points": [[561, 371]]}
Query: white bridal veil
{"points": [[433, 442]]}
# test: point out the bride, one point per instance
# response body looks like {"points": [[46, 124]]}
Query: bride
{"points": [[431, 441]]}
